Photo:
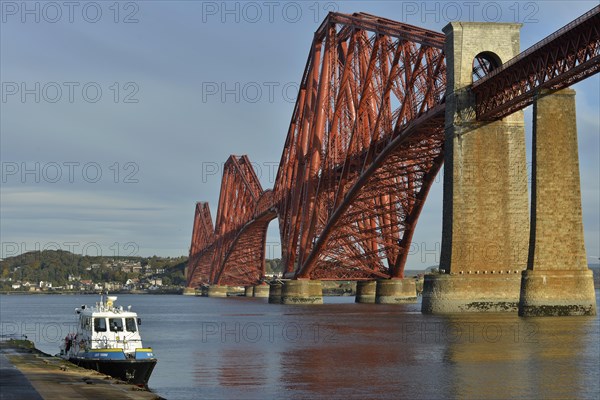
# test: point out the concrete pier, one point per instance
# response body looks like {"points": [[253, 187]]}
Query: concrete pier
{"points": [[188, 291], [260, 291], [365, 291], [486, 215], [475, 292], [557, 280], [547, 293], [302, 292], [248, 291], [202, 291], [275, 290], [396, 291], [217, 291]]}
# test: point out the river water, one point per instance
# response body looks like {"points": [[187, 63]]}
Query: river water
{"points": [[245, 348]]}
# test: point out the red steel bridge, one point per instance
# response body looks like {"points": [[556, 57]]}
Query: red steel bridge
{"points": [[364, 145]]}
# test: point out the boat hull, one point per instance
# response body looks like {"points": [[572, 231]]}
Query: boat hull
{"points": [[132, 371]]}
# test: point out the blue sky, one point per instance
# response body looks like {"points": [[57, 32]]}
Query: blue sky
{"points": [[116, 117]]}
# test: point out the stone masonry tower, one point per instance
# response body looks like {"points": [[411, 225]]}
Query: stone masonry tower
{"points": [[486, 214], [557, 280]]}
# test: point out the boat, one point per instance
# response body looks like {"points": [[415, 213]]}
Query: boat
{"points": [[107, 339]]}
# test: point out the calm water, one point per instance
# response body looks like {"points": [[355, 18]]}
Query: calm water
{"points": [[245, 348]]}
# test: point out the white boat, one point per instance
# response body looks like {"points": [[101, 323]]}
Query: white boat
{"points": [[107, 339]]}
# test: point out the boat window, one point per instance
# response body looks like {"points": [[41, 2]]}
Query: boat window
{"points": [[130, 324], [116, 324], [99, 325]]}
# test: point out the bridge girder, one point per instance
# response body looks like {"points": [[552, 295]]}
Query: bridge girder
{"points": [[365, 81], [562, 59]]}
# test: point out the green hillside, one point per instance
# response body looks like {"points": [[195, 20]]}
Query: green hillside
{"points": [[62, 268]]}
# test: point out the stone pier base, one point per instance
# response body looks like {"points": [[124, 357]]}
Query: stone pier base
{"points": [[365, 291], [275, 293], [248, 291], [445, 293], [217, 291], [302, 292], [557, 293], [189, 291], [260, 291], [396, 291]]}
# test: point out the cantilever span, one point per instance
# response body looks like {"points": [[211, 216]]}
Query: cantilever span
{"points": [[228, 252], [355, 168], [364, 144]]}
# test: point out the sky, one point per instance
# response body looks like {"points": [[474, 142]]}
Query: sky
{"points": [[117, 117]]}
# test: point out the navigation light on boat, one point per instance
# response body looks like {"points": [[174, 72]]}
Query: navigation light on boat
{"points": [[110, 300]]}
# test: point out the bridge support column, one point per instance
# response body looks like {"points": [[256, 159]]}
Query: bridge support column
{"points": [[275, 290], [260, 291], [217, 291], [248, 291], [189, 291], [302, 292], [486, 215], [396, 291], [557, 280], [365, 291]]}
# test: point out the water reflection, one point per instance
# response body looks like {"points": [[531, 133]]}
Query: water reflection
{"points": [[376, 351], [332, 371], [242, 368], [559, 362], [499, 356]]}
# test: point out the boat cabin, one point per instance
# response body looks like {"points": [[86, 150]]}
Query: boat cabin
{"points": [[104, 326]]}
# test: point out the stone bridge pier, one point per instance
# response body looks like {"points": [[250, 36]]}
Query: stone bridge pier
{"points": [[486, 214], [491, 259], [557, 280]]}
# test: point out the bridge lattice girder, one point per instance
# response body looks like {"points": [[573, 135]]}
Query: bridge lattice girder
{"points": [[343, 215], [339, 188], [240, 193], [203, 236], [562, 59], [200, 267], [244, 263]]}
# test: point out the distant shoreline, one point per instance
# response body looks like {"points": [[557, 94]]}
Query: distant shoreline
{"points": [[179, 290], [69, 292]]}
